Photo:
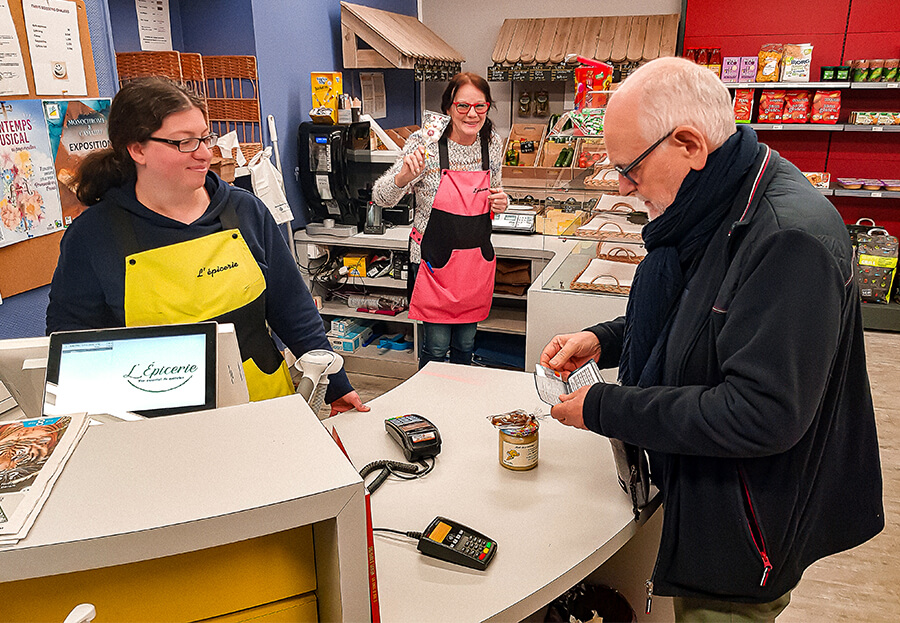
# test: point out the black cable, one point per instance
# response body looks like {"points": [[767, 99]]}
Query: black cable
{"points": [[387, 468], [411, 534]]}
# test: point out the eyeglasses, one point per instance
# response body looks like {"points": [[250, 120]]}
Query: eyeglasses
{"points": [[623, 171], [188, 145], [463, 107]]}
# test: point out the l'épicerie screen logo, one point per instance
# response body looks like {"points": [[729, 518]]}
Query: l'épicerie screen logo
{"points": [[158, 378]]}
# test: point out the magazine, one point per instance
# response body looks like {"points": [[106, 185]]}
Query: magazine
{"points": [[32, 456]]}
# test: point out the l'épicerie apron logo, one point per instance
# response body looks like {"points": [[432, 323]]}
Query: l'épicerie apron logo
{"points": [[214, 270], [159, 378]]}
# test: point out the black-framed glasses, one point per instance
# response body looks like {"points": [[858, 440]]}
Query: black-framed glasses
{"points": [[623, 171], [188, 145], [463, 107]]}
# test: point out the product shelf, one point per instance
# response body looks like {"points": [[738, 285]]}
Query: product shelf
{"points": [[330, 308], [792, 86], [876, 194], [871, 128], [875, 85], [800, 127]]}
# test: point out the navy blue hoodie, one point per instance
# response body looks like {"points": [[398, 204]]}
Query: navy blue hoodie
{"points": [[88, 288]]}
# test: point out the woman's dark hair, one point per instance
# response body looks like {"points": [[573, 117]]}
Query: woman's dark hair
{"points": [[137, 111], [467, 77]]}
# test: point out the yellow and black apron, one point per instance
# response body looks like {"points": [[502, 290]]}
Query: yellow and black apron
{"points": [[215, 278]]}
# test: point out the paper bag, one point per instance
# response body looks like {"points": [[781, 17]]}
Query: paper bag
{"points": [[268, 186]]}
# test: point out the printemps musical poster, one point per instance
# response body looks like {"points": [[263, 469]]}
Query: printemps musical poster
{"points": [[77, 128], [29, 199]]}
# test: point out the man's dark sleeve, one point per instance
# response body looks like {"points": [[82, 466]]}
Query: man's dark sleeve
{"points": [[610, 334]]}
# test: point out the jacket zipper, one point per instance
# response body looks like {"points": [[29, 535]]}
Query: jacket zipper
{"points": [[756, 532]]}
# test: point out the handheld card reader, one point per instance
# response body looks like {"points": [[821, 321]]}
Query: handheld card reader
{"points": [[451, 541], [418, 437]]}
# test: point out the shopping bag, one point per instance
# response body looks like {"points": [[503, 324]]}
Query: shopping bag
{"points": [[876, 263], [268, 185]]}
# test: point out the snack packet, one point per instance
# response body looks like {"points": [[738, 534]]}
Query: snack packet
{"points": [[433, 126], [771, 106], [826, 107], [769, 62], [796, 62], [796, 107], [876, 69], [743, 105]]}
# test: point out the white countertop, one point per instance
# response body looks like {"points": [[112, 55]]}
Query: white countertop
{"points": [[553, 525]]}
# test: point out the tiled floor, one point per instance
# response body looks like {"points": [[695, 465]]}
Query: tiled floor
{"points": [[862, 584]]}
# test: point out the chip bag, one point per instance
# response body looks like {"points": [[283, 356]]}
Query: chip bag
{"points": [[771, 106], [769, 62], [826, 107]]}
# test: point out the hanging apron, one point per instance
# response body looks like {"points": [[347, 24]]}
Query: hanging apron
{"points": [[215, 278], [455, 282]]}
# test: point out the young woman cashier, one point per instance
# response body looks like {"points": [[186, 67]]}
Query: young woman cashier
{"points": [[452, 260], [166, 241]]}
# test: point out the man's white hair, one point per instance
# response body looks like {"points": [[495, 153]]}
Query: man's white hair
{"points": [[676, 91]]}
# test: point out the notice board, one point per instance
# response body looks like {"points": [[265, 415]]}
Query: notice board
{"points": [[30, 264]]}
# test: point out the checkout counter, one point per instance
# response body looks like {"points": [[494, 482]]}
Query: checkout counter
{"points": [[204, 514]]}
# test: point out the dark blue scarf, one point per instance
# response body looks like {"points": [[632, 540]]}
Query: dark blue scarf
{"points": [[675, 241]]}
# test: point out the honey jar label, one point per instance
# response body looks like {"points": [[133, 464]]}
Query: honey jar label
{"points": [[518, 456]]}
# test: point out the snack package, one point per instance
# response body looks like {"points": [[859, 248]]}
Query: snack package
{"points": [[731, 67], [863, 118], [748, 69], [769, 62], [743, 105], [819, 179], [433, 126], [826, 107], [796, 62], [871, 184], [859, 70], [892, 185], [796, 107], [771, 106], [850, 183], [890, 70], [876, 69]]}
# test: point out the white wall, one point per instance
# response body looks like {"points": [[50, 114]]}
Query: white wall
{"points": [[472, 26]]}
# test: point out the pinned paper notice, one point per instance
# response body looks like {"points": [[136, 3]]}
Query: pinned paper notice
{"points": [[55, 46], [12, 67]]}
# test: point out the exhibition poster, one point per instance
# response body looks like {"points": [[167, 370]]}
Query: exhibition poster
{"points": [[29, 200], [77, 128]]}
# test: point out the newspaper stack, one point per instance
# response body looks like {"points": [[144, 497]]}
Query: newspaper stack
{"points": [[32, 456]]}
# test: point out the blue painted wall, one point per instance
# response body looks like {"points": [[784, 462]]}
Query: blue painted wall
{"points": [[290, 39]]}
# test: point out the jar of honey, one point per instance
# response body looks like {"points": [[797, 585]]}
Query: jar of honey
{"points": [[519, 446]]}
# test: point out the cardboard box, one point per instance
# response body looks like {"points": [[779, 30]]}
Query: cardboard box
{"points": [[731, 68], [351, 341], [346, 326], [356, 263], [327, 87], [748, 69]]}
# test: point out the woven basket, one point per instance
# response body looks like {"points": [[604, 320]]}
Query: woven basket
{"points": [[612, 288], [131, 65], [603, 234], [192, 72], [618, 254], [232, 88]]}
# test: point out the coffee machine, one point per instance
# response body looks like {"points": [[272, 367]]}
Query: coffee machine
{"points": [[337, 173]]}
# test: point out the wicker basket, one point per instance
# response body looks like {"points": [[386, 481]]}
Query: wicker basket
{"points": [[612, 288], [232, 88], [131, 65], [612, 234], [618, 254]]}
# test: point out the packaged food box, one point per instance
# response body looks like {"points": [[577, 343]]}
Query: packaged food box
{"points": [[771, 106], [819, 179], [748, 69], [769, 66], [850, 183], [828, 73], [796, 62], [327, 88], [731, 68], [871, 184], [345, 326], [842, 73], [892, 185], [826, 107], [743, 105], [887, 118], [863, 118]]}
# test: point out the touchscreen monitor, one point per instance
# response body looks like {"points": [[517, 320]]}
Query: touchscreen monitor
{"points": [[151, 371]]}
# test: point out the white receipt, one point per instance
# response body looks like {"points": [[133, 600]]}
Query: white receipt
{"points": [[550, 386]]}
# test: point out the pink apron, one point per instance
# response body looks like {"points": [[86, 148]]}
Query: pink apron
{"points": [[455, 283]]}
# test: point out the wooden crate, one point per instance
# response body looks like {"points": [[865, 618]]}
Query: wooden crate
{"points": [[527, 174]]}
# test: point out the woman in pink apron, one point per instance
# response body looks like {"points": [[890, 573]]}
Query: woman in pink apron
{"points": [[457, 186]]}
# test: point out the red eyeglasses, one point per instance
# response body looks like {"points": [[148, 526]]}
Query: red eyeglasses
{"points": [[463, 107]]}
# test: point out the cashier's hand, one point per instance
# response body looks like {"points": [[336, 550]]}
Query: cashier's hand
{"points": [[570, 410], [498, 200], [347, 402], [566, 353], [413, 165]]}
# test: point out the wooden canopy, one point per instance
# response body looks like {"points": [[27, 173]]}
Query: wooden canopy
{"points": [[397, 41], [615, 39]]}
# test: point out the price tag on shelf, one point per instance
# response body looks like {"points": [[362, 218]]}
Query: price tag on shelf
{"points": [[876, 194], [878, 128], [891, 85], [778, 126]]}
